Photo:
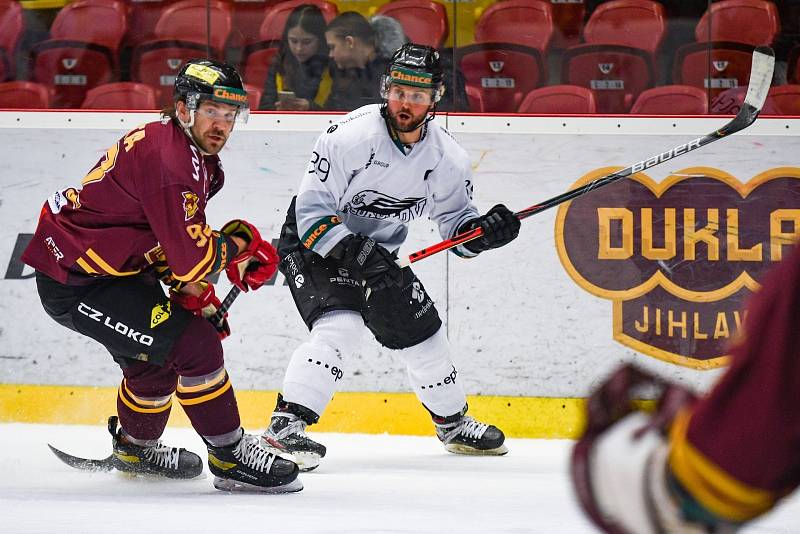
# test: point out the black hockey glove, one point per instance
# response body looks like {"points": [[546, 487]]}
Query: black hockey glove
{"points": [[500, 227], [369, 261]]}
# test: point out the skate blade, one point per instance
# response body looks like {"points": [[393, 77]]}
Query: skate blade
{"points": [[457, 448], [307, 461], [226, 484]]}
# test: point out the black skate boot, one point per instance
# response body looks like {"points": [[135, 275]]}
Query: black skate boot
{"points": [[249, 465], [461, 434], [287, 432], [158, 459]]}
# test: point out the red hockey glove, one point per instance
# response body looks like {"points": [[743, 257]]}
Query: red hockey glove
{"points": [[204, 305], [256, 264]]}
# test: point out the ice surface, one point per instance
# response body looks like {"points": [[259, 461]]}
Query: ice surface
{"points": [[368, 484]]}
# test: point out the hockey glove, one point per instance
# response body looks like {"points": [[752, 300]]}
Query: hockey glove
{"points": [[256, 264], [619, 467], [204, 304], [500, 227], [369, 261]]}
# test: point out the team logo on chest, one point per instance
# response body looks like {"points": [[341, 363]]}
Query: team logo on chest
{"points": [[373, 204]]}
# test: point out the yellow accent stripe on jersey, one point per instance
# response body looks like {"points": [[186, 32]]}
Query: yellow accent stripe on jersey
{"points": [[85, 266], [197, 273], [144, 402], [139, 409], [717, 490], [202, 387], [106, 267], [206, 398]]}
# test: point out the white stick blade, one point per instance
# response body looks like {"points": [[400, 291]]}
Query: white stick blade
{"points": [[760, 76]]}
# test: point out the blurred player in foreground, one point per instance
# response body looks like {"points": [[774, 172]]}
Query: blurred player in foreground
{"points": [[705, 465]]}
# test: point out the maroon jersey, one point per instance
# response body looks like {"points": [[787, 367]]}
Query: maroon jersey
{"points": [[143, 201]]}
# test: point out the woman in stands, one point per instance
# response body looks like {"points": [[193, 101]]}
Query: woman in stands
{"points": [[299, 77], [359, 65]]}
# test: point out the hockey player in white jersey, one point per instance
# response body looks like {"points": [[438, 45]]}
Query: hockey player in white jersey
{"points": [[369, 176]]}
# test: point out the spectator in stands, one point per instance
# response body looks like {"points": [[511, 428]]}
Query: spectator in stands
{"points": [[299, 77], [389, 35], [358, 64]]}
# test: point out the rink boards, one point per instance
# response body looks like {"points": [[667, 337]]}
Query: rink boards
{"points": [[653, 270]]}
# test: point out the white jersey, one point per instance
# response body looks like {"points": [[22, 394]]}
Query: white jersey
{"points": [[359, 181]]}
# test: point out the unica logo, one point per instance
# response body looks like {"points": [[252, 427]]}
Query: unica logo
{"points": [[679, 258]]}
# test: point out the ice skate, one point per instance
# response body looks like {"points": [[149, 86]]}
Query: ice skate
{"points": [[158, 459], [249, 466], [461, 434], [287, 432]]}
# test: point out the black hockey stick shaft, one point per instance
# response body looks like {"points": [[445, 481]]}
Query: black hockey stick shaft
{"points": [[760, 80], [216, 319]]}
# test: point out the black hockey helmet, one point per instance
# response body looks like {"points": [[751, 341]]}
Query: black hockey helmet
{"points": [[415, 65], [205, 79]]}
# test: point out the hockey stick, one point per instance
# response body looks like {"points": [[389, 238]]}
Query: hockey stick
{"points": [[760, 80], [216, 319]]}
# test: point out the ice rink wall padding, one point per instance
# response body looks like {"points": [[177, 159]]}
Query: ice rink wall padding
{"points": [[534, 326]]}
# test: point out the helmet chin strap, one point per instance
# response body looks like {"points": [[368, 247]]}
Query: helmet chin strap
{"points": [[187, 129]]}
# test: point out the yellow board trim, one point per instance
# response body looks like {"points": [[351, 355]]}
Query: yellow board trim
{"points": [[366, 413]]}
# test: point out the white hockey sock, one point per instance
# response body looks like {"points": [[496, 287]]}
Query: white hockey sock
{"points": [[317, 366], [433, 376]]}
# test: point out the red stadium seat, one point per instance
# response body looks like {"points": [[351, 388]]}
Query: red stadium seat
{"points": [[559, 99], [502, 73], [11, 27], [635, 23], [793, 70], [122, 95], [272, 27], [716, 66], [617, 74], [785, 99], [144, 15], [186, 21], [423, 21], [157, 63], [523, 22], [248, 15], [180, 35], [253, 96], [257, 64], [753, 22], [671, 100], [101, 22], [81, 53], [24, 95], [568, 19], [474, 98]]}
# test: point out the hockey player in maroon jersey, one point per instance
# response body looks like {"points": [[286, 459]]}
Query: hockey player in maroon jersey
{"points": [[702, 465], [101, 251]]}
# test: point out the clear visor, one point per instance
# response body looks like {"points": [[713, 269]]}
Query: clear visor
{"points": [[410, 94], [228, 111]]}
